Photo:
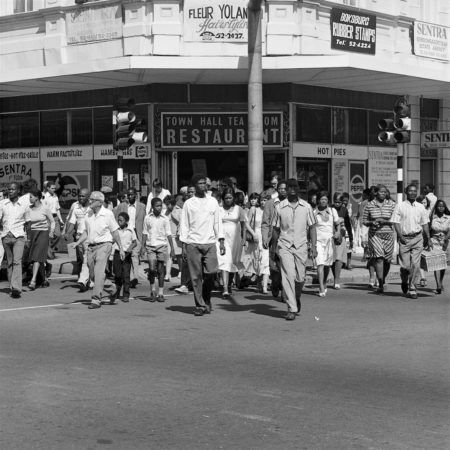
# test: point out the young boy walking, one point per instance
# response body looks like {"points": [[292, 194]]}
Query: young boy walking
{"points": [[155, 235], [122, 267]]}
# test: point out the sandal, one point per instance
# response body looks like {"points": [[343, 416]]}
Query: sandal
{"points": [[32, 286]]}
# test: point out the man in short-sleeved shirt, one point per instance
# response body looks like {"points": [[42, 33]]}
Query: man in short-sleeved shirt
{"points": [[100, 232], [410, 219], [293, 218]]}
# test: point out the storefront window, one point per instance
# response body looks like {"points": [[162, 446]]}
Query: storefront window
{"points": [[54, 128], [349, 126], [81, 126], [19, 130], [312, 176], [374, 118], [313, 124], [102, 125]]}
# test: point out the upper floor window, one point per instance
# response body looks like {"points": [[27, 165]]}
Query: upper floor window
{"points": [[54, 128], [19, 130], [313, 124], [21, 6]]}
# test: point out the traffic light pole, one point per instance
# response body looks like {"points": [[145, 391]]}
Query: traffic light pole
{"points": [[119, 171], [255, 98]]}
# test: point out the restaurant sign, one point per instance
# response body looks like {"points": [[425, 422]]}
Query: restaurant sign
{"points": [[216, 129], [352, 31], [431, 40], [435, 139], [215, 21]]}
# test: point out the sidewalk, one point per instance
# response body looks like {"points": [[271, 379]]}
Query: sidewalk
{"points": [[62, 264]]}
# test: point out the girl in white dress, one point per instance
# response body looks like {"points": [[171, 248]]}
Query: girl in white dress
{"points": [[234, 226], [327, 228], [258, 255]]}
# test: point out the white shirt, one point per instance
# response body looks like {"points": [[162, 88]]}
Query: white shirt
{"points": [[132, 214], [77, 215], [433, 199], [201, 221], [411, 217], [127, 237], [12, 216], [162, 195], [157, 229], [52, 202], [25, 200], [100, 226]]}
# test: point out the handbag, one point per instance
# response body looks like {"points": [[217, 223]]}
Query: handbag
{"points": [[248, 235]]}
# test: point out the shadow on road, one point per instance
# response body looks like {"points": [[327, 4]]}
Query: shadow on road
{"points": [[182, 309]]}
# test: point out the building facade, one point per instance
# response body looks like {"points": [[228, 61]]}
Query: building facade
{"points": [[331, 71]]}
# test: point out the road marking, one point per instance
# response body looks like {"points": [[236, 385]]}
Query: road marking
{"points": [[248, 416], [31, 307]]}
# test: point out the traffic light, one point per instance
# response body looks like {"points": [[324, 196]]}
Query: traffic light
{"points": [[128, 130], [396, 130]]}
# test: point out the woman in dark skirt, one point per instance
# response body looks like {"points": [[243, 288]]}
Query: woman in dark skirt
{"points": [[41, 227]]}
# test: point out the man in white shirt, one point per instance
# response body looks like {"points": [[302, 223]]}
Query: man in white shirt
{"points": [[200, 228], [428, 190], [100, 232], [157, 192], [76, 218], [410, 219], [12, 217]]}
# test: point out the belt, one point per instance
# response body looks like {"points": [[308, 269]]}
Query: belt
{"points": [[411, 235], [99, 243], [54, 215]]}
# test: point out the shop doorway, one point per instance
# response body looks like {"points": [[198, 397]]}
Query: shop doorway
{"points": [[216, 165]]}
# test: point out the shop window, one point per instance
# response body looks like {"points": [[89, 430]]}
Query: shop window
{"points": [[81, 126], [349, 126], [19, 130], [53, 128], [21, 6], [313, 124], [374, 118]]}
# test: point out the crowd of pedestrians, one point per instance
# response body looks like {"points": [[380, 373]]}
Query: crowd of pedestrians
{"points": [[220, 237]]}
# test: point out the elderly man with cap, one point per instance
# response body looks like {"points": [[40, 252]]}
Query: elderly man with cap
{"points": [[293, 218], [100, 230]]}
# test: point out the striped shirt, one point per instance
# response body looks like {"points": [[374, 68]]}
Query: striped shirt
{"points": [[376, 210]]}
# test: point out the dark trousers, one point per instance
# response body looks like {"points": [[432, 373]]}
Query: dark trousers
{"points": [[202, 263], [122, 270]]}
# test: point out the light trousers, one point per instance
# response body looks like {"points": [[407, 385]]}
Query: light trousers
{"points": [[14, 251], [409, 256], [293, 269], [97, 259]]}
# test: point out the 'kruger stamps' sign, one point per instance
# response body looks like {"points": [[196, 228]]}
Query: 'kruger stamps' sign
{"points": [[431, 41], [215, 21], [352, 31], [216, 129]]}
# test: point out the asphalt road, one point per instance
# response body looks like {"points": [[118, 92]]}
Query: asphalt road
{"points": [[354, 371]]}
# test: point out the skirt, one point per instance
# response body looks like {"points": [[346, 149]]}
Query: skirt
{"points": [[39, 241], [324, 252], [381, 245]]}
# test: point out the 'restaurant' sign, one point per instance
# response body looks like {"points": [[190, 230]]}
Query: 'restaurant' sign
{"points": [[216, 129], [352, 31], [435, 139], [215, 21], [431, 41]]}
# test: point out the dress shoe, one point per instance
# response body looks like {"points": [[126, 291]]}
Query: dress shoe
{"points": [[16, 293], [208, 309], [94, 306], [126, 299], [290, 316], [160, 298], [199, 312], [83, 287]]}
